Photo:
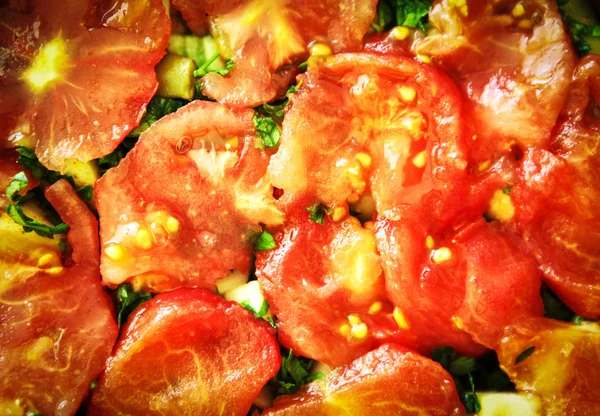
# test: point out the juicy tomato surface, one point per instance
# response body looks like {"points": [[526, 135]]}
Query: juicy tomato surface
{"points": [[513, 61], [57, 325], [477, 278], [556, 198], [324, 284], [187, 352], [558, 361], [263, 36], [78, 75], [390, 380], [368, 121], [183, 207]]}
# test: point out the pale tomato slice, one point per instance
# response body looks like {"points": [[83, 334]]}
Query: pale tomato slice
{"points": [[188, 351], [512, 59], [361, 121], [262, 36], [560, 362], [183, 208], [77, 61], [390, 380], [57, 323], [325, 286]]}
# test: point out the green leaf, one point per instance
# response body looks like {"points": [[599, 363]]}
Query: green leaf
{"points": [[275, 109], [18, 183], [267, 131], [577, 319], [385, 17], [470, 399], [413, 13], [294, 373], [157, 108], [264, 308], [554, 307], [524, 355], [86, 193], [63, 245], [507, 190], [16, 213], [444, 356], [93, 384], [318, 212], [462, 366], [127, 300], [205, 68], [28, 159], [265, 241], [293, 88]]}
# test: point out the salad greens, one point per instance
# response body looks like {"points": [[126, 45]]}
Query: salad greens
{"points": [[265, 241], [127, 300], [294, 373], [318, 211], [267, 132], [410, 13]]}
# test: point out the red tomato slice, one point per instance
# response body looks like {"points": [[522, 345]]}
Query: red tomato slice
{"points": [[476, 278], [560, 362], [557, 198], [388, 381], [187, 349], [368, 120], [513, 60], [77, 60], [324, 284], [184, 205], [57, 327], [263, 36]]}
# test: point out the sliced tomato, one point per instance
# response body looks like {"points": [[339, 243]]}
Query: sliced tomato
{"points": [[187, 349], [324, 284], [557, 195], [476, 278], [183, 208], [366, 120], [388, 381], [559, 362], [264, 36], [512, 59], [76, 61], [57, 323]]}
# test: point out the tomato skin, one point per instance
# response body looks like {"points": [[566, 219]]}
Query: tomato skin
{"points": [[57, 325], [211, 354], [515, 94], [109, 56], [388, 380], [206, 179], [563, 368], [321, 278], [403, 115]]}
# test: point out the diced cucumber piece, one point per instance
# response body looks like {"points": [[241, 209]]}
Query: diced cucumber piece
{"points": [[175, 76], [509, 404], [234, 280], [249, 294], [200, 49], [83, 173]]}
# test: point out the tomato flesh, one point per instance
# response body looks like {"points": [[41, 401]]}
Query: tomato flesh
{"points": [[187, 349], [57, 324]]}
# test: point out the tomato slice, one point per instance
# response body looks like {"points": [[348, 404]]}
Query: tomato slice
{"points": [[262, 36], [58, 325], [324, 284], [557, 361], [477, 278], [75, 62], [187, 349], [390, 380], [513, 60], [556, 200], [183, 207], [361, 121]]}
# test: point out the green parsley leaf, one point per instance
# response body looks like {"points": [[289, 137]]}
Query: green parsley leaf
{"points": [[265, 241], [28, 159], [275, 109], [385, 18], [157, 108], [318, 212], [127, 300], [63, 245], [267, 131], [507, 190], [264, 308], [205, 68], [16, 213], [554, 307], [462, 366], [293, 88], [470, 399], [86, 193], [111, 160], [580, 27], [444, 356], [413, 13], [577, 319], [524, 355], [294, 373], [18, 183], [93, 384]]}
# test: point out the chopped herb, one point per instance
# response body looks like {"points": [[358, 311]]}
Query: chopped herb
{"points": [[16, 213], [93, 384], [462, 366], [507, 190], [264, 308], [205, 69], [293, 88], [28, 159], [63, 245], [410, 13], [275, 109], [267, 131], [86, 193], [303, 66], [127, 300], [271, 320], [157, 108], [385, 18], [265, 241], [318, 212], [111, 160], [524, 355], [577, 319], [18, 183], [555, 308], [581, 32], [294, 373], [470, 399]]}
